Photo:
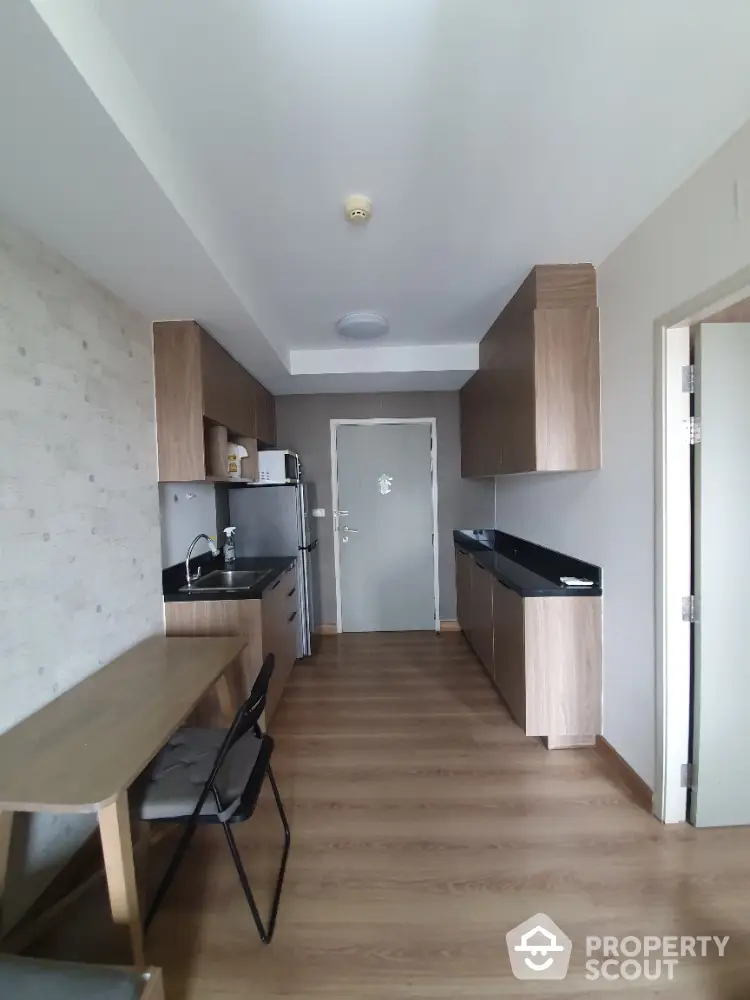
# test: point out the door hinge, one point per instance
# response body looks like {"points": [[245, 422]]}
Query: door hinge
{"points": [[689, 609], [687, 776], [693, 430], [688, 378]]}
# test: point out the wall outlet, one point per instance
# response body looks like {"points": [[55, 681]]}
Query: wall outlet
{"points": [[319, 512]]}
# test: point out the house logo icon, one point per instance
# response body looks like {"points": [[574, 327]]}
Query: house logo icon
{"points": [[538, 949]]}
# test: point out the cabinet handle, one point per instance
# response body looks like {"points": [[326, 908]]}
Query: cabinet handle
{"points": [[292, 616], [276, 585], [291, 592]]}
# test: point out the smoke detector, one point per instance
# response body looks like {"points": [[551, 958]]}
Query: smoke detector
{"points": [[358, 208], [362, 326]]}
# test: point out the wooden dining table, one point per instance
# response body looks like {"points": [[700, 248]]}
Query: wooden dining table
{"points": [[81, 752]]}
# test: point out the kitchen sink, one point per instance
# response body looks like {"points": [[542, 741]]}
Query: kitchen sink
{"points": [[220, 579]]}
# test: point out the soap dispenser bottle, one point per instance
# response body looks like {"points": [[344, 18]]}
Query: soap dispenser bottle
{"points": [[229, 552]]}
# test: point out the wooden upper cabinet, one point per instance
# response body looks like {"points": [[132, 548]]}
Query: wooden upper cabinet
{"points": [[180, 435], [203, 398], [533, 406], [228, 396], [265, 411]]}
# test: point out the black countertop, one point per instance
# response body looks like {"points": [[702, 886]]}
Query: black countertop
{"points": [[174, 577], [530, 570]]}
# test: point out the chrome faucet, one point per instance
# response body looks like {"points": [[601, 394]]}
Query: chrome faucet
{"points": [[192, 577]]}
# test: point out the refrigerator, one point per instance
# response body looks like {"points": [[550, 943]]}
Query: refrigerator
{"points": [[275, 521]]}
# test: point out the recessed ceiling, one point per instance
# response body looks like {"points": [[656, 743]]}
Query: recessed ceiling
{"points": [[490, 134]]}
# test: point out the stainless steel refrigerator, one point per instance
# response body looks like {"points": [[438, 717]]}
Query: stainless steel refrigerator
{"points": [[275, 521]]}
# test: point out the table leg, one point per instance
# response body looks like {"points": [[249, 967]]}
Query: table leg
{"points": [[119, 866], [6, 827], [226, 701]]}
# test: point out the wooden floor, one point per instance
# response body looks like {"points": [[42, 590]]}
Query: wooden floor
{"points": [[425, 826]]}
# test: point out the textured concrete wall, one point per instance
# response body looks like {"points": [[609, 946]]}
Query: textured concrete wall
{"points": [[79, 515]]}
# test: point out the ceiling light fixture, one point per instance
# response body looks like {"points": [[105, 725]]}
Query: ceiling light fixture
{"points": [[362, 326]]}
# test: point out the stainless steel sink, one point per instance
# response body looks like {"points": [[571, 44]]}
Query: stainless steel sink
{"points": [[220, 580]]}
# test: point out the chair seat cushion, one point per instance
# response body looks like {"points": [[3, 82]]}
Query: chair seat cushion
{"points": [[33, 979], [177, 775]]}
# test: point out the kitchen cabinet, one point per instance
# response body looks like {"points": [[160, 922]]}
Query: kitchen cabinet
{"points": [[543, 653], [265, 405], [474, 607], [463, 590], [269, 625], [509, 663], [534, 403], [480, 619], [205, 398], [228, 397], [280, 626], [230, 618]]}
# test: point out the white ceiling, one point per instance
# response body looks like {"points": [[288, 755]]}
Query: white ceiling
{"points": [[225, 135]]}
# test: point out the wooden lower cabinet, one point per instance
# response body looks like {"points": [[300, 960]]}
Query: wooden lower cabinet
{"points": [[269, 625], [544, 654], [240, 618], [279, 615], [463, 590], [509, 653], [482, 638], [563, 659]]}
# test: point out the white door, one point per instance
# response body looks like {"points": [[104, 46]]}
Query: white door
{"points": [[385, 527], [721, 680]]}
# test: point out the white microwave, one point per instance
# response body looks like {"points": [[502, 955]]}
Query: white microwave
{"points": [[278, 467]]}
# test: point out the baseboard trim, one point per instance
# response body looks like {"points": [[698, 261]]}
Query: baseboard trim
{"points": [[449, 625], [568, 742], [639, 791], [326, 630], [446, 625]]}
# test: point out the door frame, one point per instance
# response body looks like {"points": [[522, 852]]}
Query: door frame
{"points": [[365, 421], [673, 556]]}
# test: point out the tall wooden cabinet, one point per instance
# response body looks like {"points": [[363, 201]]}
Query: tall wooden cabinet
{"points": [[203, 398], [533, 405]]}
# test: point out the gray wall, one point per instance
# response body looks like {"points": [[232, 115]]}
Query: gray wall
{"points": [[681, 256], [187, 510], [79, 526], [304, 426]]}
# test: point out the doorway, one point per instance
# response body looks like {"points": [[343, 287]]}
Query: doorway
{"points": [[384, 488], [703, 466]]}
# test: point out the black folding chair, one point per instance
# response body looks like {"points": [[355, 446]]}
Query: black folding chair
{"points": [[215, 776]]}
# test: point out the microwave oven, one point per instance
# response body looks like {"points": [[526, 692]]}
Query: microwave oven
{"points": [[278, 467]]}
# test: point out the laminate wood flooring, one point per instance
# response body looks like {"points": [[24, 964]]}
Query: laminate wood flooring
{"points": [[425, 825]]}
